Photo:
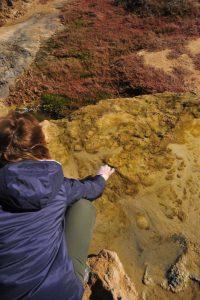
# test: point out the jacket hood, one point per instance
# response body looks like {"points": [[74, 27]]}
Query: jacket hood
{"points": [[29, 185]]}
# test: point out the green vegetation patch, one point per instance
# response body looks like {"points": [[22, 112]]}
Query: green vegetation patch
{"points": [[57, 106], [83, 55], [100, 95], [79, 22]]}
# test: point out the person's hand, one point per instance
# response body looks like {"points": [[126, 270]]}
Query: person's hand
{"points": [[105, 171]]}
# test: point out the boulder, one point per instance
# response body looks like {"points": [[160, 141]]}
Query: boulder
{"points": [[108, 279]]}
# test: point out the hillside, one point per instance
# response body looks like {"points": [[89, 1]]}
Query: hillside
{"points": [[104, 51]]}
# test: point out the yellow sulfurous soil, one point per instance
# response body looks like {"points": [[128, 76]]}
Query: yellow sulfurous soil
{"points": [[149, 213]]}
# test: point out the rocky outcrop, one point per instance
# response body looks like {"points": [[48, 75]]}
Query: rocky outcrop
{"points": [[153, 142], [131, 135], [108, 280], [149, 211]]}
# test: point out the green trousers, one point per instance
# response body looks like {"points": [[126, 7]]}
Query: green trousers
{"points": [[79, 221]]}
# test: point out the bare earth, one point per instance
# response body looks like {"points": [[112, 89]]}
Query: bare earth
{"points": [[149, 213], [160, 60]]}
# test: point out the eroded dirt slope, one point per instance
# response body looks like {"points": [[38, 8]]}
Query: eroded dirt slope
{"points": [[149, 213]]}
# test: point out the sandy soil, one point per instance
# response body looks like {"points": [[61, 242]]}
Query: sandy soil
{"points": [[160, 60], [194, 46], [158, 213]]}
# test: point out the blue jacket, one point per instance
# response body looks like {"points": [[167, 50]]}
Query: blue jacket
{"points": [[34, 262]]}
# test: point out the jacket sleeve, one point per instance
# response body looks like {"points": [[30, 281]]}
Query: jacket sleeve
{"points": [[89, 188]]}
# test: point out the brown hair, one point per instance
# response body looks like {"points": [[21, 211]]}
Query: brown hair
{"points": [[21, 137]]}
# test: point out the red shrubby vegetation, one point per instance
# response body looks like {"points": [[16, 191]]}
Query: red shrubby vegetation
{"points": [[94, 57], [196, 60], [139, 79], [161, 7]]}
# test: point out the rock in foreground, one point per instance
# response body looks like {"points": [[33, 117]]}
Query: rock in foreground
{"points": [[150, 206], [108, 280]]}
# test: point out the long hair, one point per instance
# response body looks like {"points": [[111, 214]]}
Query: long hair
{"points": [[21, 138]]}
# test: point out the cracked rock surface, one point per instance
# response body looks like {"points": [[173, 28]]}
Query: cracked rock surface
{"points": [[150, 209]]}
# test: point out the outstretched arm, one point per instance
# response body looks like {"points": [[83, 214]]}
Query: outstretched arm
{"points": [[89, 187]]}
